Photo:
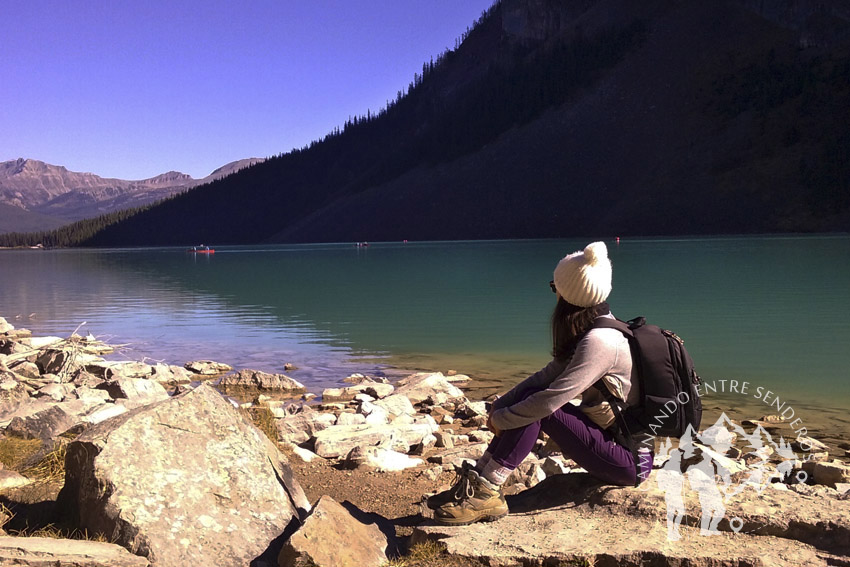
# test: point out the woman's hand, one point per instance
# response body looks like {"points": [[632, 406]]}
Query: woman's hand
{"points": [[493, 429]]}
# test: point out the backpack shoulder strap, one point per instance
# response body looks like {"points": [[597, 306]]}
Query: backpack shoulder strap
{"points": [[621, 432], [608, 323]]}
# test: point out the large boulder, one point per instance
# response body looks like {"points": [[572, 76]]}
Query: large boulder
{"points": [[576, 518], [185, 481], [332, 537]]}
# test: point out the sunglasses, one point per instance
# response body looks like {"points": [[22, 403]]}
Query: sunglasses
{"points": [[552, 286]]}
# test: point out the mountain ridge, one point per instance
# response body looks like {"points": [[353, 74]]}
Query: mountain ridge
{"points": [[55, 195]]}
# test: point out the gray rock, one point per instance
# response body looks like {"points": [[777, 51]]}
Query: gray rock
{"points": [[10, 347], [170, 374], [480, 436], [301, 427], [375, 389], [455, 378], [347, 418], [51, 552], [358, 378], [207, 367], [26, 369], [83, 378], [137, 390], [56, 392], [112, 370], [527, 474], [262, 381], [332, 537], [455, 457], [92, 395], [419, 387], [185, 481], [339, 440], [22, 408], [104, 412], [46, 424], [12, 392], [553, 465], [444, 439], [380, 459], [53, 361], [374, 413], [477, 421], [808, 445], [427, 443], [831, 474], [471, 409]]}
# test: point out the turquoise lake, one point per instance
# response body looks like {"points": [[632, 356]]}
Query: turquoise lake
{"points": [[769, 311]]}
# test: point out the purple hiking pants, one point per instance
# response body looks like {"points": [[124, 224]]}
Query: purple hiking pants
{"points": [[590, 446]]}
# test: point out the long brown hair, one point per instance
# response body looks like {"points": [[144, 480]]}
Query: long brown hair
{"points": [[570, 323]]}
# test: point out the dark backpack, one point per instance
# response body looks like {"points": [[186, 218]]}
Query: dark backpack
{"points": [[669, 399]]}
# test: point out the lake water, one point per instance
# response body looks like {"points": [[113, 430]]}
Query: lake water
{"points": [[769, 311]]}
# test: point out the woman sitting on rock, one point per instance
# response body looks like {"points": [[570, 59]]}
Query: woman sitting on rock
{"points": [[585, 433]]}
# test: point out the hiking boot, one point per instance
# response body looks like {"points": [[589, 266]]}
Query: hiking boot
{"points": [[479, 500], [456, 492]]}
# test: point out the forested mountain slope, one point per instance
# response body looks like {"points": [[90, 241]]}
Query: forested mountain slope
{"points": [[568, 117]]}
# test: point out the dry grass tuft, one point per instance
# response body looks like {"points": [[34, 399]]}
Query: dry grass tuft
{"points": [[15, 452], [51, 468], [431, 554], [55, 532], [264, 420]]}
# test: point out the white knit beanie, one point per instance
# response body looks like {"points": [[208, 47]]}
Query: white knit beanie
{"points": [[583, 278]]}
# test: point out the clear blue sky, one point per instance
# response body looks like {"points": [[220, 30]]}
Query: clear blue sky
{"points": [[132, 88]]}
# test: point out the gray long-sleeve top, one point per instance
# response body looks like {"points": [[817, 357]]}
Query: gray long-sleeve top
{"points": [[601, 353]]}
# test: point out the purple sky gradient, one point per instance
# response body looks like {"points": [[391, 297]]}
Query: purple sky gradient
{"points": [[132, 89]]}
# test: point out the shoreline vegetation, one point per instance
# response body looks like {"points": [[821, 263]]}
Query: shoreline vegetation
{"points": [[127, 459]]}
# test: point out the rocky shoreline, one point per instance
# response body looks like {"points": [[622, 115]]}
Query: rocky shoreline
{"points": [[168, 471]]}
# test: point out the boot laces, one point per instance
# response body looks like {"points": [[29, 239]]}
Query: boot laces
{"points": [[462, 488]]}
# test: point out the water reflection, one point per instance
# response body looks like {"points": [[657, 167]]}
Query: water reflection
{"points": [[771, 310]]}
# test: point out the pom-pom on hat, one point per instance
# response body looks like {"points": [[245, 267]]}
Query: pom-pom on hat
{"points": [[583, 278]]}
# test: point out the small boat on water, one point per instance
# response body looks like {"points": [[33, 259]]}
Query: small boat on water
{"points": [[201, 250]]}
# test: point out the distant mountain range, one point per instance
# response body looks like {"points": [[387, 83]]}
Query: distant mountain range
{"points": [[36, 196], [561, 118]]}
